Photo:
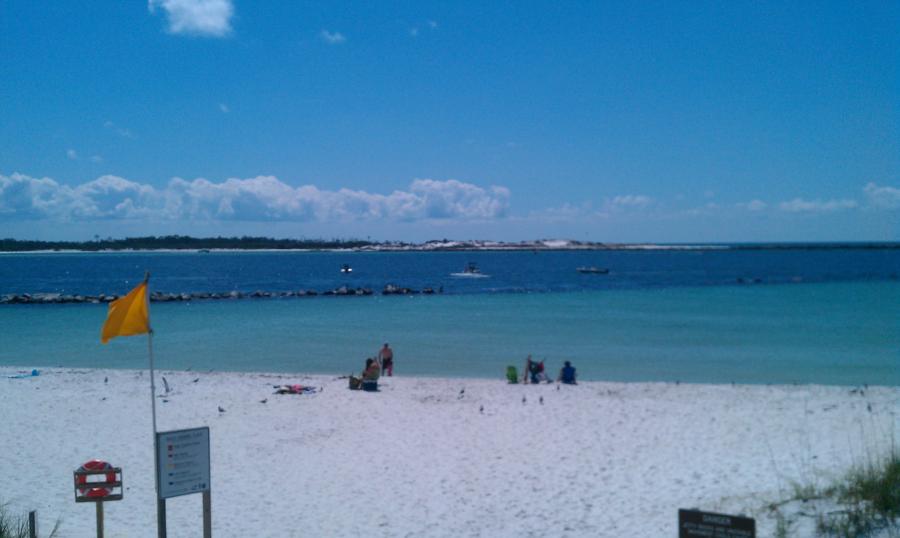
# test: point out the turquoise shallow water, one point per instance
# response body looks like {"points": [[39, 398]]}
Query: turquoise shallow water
{"points": [[832, 332]]}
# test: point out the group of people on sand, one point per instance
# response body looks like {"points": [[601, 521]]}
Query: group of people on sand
{"points": [[381, 364], [535, 373]]}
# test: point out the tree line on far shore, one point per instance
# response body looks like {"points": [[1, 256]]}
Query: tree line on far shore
{"points": [[181, 242]]}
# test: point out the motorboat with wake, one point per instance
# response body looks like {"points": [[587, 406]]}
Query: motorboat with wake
{"points": [[470, 271], [346, 269]]}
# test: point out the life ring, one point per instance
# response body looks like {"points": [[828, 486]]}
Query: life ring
{"points": [[95, 465]]}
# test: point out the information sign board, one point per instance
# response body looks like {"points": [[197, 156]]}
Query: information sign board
{"points": [[697, 524], [183, 462]]}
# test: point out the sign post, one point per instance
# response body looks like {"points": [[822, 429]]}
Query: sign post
{"points": [[88, 488], [182, 462]]}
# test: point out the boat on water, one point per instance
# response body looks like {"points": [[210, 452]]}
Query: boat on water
{"points": [[592, 270], [346, 268], [470, 271]]}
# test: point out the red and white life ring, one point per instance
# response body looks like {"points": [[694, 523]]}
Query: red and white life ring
{"points": [[96, 465]]}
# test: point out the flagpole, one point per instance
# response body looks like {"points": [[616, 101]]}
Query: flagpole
{"points": [[160, 503]]}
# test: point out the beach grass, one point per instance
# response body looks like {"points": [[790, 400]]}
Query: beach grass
{"points": [[16, 525], [870, 500]]}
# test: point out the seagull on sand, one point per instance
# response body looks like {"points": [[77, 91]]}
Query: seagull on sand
{"points": [[106, 380], [481, 409], [221, 409], [542, 400], [461, 393], [264, 400], [194, 381], [524, 399]]}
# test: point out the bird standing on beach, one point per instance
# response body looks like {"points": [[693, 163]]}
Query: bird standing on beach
{"points": [[194, 381], [481, 409], [524, 399], [541, 400], [461, 393], [221, 409], [106, 380]]}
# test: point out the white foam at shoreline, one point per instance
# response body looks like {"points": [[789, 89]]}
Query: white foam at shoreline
{"points": [[416, 459]]}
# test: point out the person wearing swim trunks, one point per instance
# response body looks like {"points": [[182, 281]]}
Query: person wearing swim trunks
{"points": [[386, 358]]}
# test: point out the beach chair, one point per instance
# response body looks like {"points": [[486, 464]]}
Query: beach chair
{"points": [[370, 385], [512, 375]]}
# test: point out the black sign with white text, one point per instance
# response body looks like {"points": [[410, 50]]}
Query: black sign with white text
{"points": [[697, 524]]}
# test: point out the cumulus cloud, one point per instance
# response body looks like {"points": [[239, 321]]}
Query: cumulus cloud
{"points": [[882, 197], [799, 205], [196, 17], [332, 38], [263, 198]]}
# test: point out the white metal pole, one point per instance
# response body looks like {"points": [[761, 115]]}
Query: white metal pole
{"points": [[160, 503]]}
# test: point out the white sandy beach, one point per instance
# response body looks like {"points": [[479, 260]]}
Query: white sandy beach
{"points": [[420, 459]]}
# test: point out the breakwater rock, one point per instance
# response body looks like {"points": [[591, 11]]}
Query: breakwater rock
{"points": [[163, 297]]}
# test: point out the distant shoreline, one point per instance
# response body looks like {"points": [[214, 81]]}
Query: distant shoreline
{"points": [[178, 244]]}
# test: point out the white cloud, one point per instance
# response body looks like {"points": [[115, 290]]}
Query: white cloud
{"points": [[882, 197], [628, 201], [72, 154], [121, 131], [432, 24], [96, 159], [224, 108], [799, 205], [567, 213], [332, 38], [263, 198], [414, 32], [753, 205], [196, 17]]}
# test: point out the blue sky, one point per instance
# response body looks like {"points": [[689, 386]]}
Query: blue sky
{"points": [[652, 121]]}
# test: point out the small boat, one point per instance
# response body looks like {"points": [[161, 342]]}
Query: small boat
{"points": [[593, 270], [346, 269], [470, 271]]}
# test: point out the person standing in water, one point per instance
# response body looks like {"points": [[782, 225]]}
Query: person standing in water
{"points": [[386, 358]]}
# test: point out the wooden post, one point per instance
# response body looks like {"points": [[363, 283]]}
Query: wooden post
{"points": [[99, 519], [207, 514], [32, 524]]}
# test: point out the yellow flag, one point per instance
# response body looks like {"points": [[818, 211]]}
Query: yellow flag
{"points": [[127, 315]]}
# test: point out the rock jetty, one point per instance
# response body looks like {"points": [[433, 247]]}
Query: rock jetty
{"points": [[164, 297]]}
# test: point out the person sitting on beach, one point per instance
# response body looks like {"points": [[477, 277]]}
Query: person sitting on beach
{"points": [[386, 358], [370, 373], [567, 374], [534, 370]]}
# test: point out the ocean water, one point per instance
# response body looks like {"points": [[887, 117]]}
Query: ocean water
{"points": [[811, 317]]}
